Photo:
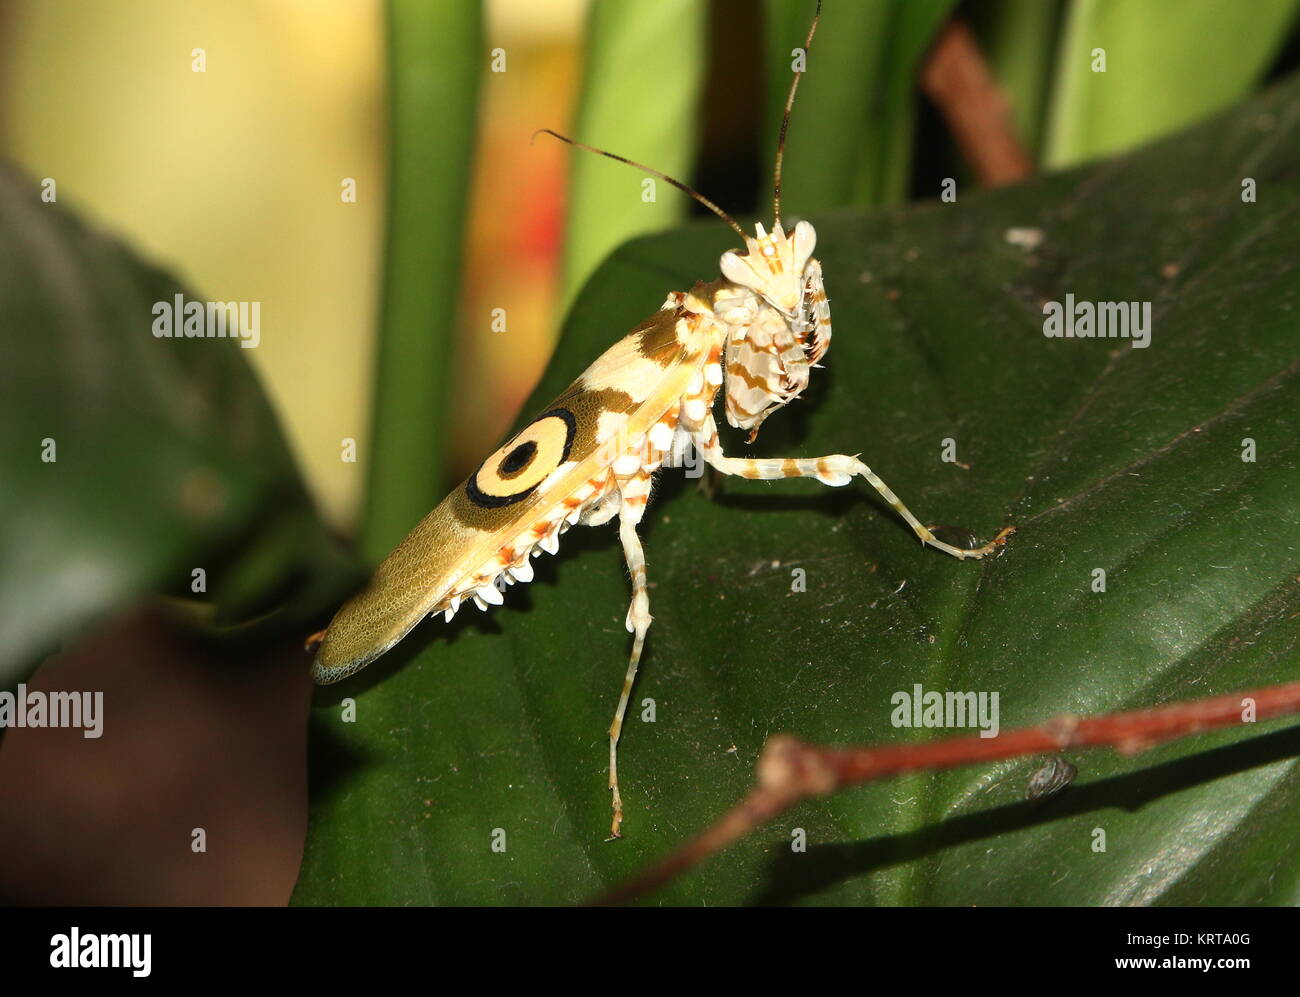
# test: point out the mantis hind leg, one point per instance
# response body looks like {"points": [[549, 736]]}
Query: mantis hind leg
{"points": [[638, 622]]}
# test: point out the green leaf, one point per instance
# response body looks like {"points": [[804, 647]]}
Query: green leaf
{"points": [[1104, 456], [435, 59], [641, 84], [850, 142], [885, 167], [824, 148], [166, 456], [1169, 63], [1019, 40]]}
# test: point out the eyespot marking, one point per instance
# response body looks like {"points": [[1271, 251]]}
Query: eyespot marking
{"points": [[513, 473], [518, 459]]}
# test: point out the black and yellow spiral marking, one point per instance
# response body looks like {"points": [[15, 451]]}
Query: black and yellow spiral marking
{"points": [[514, 472]]}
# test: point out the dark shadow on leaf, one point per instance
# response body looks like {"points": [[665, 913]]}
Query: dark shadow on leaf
{"points": [[792, 877], [333, 762]]}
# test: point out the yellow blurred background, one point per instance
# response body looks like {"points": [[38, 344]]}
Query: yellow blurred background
{"points": [[231, 178]]}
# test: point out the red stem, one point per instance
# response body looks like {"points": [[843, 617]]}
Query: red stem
{"points": [[790, 771]]}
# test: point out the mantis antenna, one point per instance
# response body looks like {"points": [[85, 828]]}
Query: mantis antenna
{"points": [[785, 121], [641, 166]]}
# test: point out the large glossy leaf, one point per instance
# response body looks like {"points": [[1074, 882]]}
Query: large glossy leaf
{"points": [[1105, 457]]}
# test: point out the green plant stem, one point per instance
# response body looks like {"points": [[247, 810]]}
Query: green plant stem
{"points": [[436, 55]]}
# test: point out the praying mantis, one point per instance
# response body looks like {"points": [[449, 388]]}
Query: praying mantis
{"points": [[754, 334]]}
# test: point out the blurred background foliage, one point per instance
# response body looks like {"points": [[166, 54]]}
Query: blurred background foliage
{"points": [[417, 319], [232, 177]]}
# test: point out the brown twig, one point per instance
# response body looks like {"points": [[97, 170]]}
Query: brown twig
{"points": [[958, 79], [790, 771]]}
